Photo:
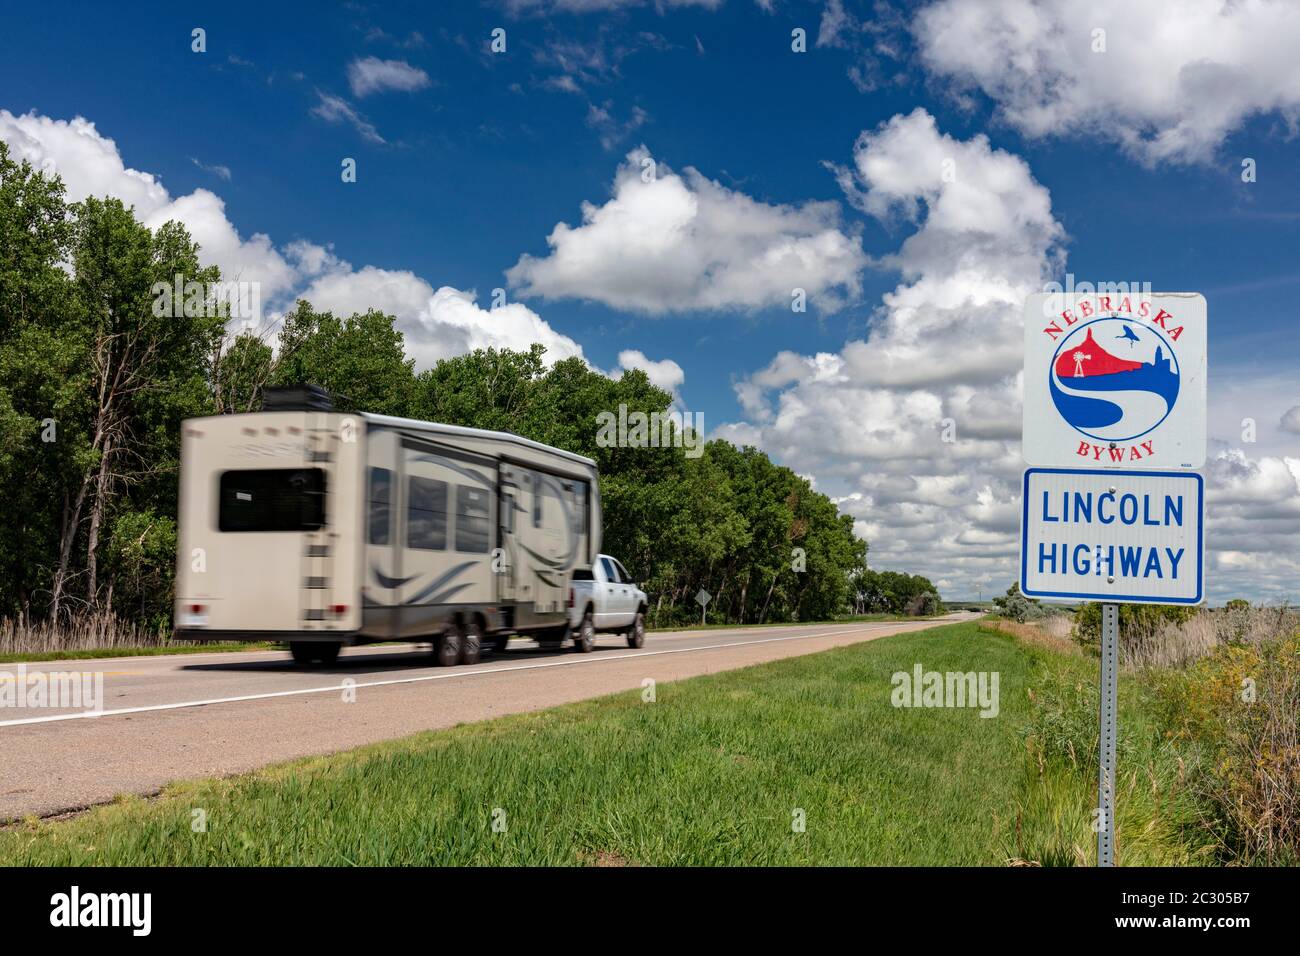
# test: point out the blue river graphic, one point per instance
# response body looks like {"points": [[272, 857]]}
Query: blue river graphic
{"points": [[1086, 367]]}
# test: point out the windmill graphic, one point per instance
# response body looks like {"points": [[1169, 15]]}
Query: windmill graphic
{"points": [[1079, 358]]}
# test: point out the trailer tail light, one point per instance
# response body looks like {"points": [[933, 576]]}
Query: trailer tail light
{"points": [[194, 615], [570, 605], [339, 609]]}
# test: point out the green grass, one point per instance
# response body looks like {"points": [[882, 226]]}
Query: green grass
{"points": [[1158, 820], [97, 653], [709, 774]]}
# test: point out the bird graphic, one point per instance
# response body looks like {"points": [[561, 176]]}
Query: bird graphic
{"points": [[1129, 334]]}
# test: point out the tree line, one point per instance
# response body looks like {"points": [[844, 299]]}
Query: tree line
{"points": [[94, 385]]}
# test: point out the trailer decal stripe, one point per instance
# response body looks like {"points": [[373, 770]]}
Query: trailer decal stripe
{"points": [[445, 578]]}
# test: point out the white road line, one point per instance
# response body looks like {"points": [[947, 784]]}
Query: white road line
{"points": [[406, 647], [456, 673]]}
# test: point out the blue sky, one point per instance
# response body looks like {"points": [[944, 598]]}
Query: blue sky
{"points": [[467, 160]]}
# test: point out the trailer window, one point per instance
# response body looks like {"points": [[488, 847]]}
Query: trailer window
{"points": [[508, 513], [577, 495], [426, 514], [381, 496], [471, 519], [272, 499]]}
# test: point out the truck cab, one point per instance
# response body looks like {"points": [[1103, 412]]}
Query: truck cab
{"points": [[604, 599]]}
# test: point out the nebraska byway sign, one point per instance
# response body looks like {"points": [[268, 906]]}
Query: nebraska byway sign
{"points": [[1115, 380]]}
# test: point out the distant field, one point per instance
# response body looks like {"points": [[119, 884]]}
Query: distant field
{"points": [[848, 618], [715, 772]]}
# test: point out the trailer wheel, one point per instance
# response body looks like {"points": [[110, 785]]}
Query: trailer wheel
{"points": [[306, 653], [500, 642], [584, 638], [471, 642], [446, 647], [636, 636]]}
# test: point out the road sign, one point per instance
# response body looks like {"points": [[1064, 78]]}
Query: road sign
{"points": [[1132, 537], [1115, 380], [702, 598]]}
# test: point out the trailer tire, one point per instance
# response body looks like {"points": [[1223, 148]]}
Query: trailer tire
{"points": [[471, 642], [584, 638], [446, 648], [307, 653], [636, 636]]}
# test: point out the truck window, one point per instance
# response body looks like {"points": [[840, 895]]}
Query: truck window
{"points": [[426, 514], [471, 519], [381, 489], [610, 574], [271, 499], [622, 572], [583, 574]]}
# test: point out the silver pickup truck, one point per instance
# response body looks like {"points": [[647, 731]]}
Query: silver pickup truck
{"points": [[604, 598]]}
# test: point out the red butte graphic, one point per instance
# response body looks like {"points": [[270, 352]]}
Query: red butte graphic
{"points": [[1107, 380]]}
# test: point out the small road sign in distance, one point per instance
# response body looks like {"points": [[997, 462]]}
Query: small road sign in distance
{"points": [[1115, 380], [1133, 537]]}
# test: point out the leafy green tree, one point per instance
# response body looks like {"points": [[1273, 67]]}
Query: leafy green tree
{"points": [[242, 366], [893, 592], [360, 360]]}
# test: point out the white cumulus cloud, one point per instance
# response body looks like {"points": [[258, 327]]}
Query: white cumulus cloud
{"points": [[672, 242], [1176, 77], [663, 373], [367, 75]]}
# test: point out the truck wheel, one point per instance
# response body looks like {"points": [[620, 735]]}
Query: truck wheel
{"points": [[307, 653], [584, 638], [636, 636], [471, 642], [446, 648]]}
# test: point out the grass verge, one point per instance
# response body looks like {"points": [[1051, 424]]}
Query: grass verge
{"points": [[719, 770]]}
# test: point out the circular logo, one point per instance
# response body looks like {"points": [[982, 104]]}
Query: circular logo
{"points": [[1113, 379]]}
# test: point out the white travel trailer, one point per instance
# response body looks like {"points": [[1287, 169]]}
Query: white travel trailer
{"points": [[319, 528]]}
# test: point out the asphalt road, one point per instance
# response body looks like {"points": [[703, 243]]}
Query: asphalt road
{"points": [[172, 717]]}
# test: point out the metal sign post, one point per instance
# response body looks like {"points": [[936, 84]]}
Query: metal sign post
{"points": [[1108, 725]]}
